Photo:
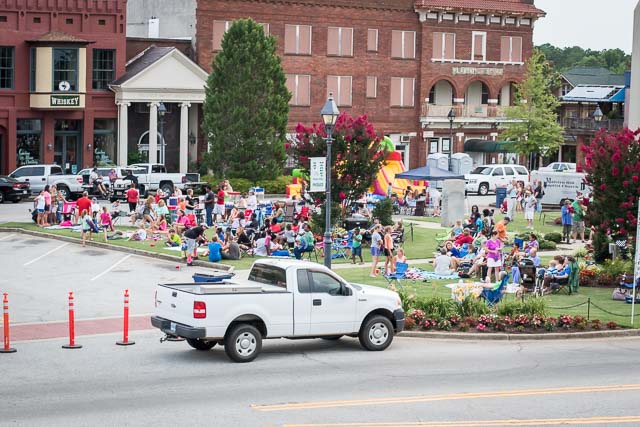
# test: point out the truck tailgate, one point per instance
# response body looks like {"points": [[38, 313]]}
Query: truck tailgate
{"points": [[176, 305]]}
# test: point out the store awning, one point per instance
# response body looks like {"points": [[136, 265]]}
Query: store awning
{"points": [[484, 146], [595, 93]]}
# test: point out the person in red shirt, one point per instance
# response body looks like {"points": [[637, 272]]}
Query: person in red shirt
{"points": [[464, 237], [132, 197], [218, 209], [83, 203]]}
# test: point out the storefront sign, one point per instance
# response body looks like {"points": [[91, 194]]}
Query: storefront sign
{"points": [[474, 71], [318, 174], [65, 100]]}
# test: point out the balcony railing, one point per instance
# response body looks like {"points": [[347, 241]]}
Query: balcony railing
{"points": [[476, 111], [590, 124]]}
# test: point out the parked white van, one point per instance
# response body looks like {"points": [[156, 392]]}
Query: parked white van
{"points": [[487, 178]]}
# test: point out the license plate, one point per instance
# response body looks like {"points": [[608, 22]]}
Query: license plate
{"points": [[24, 191], [172, 327]]}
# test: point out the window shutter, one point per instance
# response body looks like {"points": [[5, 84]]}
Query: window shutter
{"points": [[396, 44], [346, 42], [332, 41], [332, 87], [290, 39], [219, 27], [450, 46], [291, 87], [396, 88], [304, 42], [505, 49], [437, 46], [372, 40], [477, 51], [516, 49], [345, 91], [407, 92], [303, 90], [409, 44], [372, 83]]}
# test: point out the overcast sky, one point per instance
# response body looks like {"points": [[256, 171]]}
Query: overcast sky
{"points": [[594, 24]]}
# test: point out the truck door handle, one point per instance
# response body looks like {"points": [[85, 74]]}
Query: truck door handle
{"points": [[317, 302]]}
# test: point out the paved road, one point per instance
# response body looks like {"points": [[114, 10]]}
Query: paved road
{"points": [[417, 381]]}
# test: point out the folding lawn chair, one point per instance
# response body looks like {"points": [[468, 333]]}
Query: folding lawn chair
{"points": [[399, 275], [494, 296], [340, 247]]}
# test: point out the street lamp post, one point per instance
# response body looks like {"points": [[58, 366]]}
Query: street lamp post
{"points": [[597, 114], [329, 114], [162, 110], [451, 116]]}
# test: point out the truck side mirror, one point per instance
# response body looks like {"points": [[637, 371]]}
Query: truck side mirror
{"points": [[347, 291]]}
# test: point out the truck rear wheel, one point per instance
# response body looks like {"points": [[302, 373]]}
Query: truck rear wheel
{"points": [[201, 345], [376, 333], [243, 343]]}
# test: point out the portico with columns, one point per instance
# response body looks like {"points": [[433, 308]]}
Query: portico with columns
{"points": [[159, 102]]}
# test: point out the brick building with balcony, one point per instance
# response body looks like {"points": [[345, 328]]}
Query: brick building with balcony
{"points": [[57, 60], [404, 63]]}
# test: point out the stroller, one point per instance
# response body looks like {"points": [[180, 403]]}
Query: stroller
{"points": [[463, 269], [530, 280]]}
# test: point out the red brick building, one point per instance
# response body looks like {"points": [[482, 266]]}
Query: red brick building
{"points": [[405, 63], [57, 59]]}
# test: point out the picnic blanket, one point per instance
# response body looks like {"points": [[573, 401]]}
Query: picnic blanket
{"points": [[418, 274]]}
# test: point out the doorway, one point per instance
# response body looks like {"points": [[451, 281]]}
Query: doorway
{"points": [[67, 152]]}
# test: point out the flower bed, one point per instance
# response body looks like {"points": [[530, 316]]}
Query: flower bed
{"points": [[522, 323]]}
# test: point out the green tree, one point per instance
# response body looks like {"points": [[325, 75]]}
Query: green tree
{"points": [[246, 105], [563, 59], [535, 129]]}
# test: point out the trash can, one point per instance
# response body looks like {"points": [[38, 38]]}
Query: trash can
{"points": [[501, 194]]}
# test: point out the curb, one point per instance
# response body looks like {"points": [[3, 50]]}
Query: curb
{"points": [[465, 336], [140, 252]]}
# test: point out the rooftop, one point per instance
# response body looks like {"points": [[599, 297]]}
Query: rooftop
{"points": [[593, 93], [523, 7], [593, 76], [141, 62]]}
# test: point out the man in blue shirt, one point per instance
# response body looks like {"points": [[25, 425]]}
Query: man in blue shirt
{"points": [[567, 221], [214, 249]]}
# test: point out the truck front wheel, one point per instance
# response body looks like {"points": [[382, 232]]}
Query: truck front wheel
{"points": [[243, 343], [201, 345], [376, 333]]}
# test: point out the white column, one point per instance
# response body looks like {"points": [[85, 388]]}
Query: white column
{"points": [[123, 133], [184, 137], [153, 132]]}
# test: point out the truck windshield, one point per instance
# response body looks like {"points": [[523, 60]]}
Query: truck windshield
{"points": [[269, 275]]}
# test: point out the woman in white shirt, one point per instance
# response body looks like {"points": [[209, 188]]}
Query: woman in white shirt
{"points": [[443, 264]]}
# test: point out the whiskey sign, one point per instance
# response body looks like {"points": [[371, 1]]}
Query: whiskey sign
{"points": [[65, 100]]}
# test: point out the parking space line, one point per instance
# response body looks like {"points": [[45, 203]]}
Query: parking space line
{"points": [[126, 257], [44, 255], [6, 237]]}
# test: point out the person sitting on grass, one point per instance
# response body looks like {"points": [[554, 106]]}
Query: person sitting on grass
{"points": [[173, 239], [493, 286], [215, 249], [230, 250], [139, 235], [443, 264], [456, 230], [532, 244], [244, 241], [464, 238]]}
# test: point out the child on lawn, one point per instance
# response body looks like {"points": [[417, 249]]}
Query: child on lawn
{"points": [[105, 222], [173, 239], [356, 246]]}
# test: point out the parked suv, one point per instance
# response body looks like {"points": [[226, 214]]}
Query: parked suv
{"points": [[486, 178]]}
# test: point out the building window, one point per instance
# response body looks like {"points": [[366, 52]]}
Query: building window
{"points": [[403, 44], [104, 66], [29, 133], [372, 40], [265, 28], [340, 41], [299, 86], [444, 46], [372, 87], [511, 49], [6, 67], [479, 46], [69, 21], [219, 28], [340, 87], [566, 88], [402, 89], [104, 142], [65, 69], [297, 39], [33, 56]]}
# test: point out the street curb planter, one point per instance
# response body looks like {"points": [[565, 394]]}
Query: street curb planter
{"points": [[140, 252], [491, 336]]}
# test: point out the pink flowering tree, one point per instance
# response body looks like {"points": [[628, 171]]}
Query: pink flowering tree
{"points": [[612, 165], [356, 155]]}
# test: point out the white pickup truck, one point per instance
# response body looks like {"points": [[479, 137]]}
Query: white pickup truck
{"points": [[39, 176], [154, 176], [280, 299]]}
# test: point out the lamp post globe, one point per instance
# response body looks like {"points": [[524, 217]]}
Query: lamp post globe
{"points": [[451, 116], [597, 114], [329, 115]]}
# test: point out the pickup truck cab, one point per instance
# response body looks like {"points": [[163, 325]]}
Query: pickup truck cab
{"points": [[281, 299], [485, 178], [39, 176]]}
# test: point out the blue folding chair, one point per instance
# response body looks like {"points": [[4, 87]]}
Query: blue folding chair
{"points": [[339, 248], [399, 275], [494, 296]]}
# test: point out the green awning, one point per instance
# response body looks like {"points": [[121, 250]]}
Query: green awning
{"points": [[484, 146]]}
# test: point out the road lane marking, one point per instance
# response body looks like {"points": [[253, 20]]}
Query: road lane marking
{"points": [[510, 422], [6, 237], [442, 397], [126, 257], [48, 253]]}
